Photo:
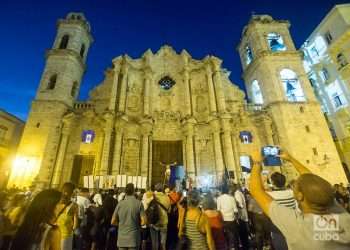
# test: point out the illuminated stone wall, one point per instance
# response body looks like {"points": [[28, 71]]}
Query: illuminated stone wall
{"points": [[170, 96]]}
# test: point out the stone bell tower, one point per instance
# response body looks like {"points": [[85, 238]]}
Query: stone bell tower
{"points": [[57, 92], [275, 79]]}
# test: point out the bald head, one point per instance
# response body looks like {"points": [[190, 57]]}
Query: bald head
{"points": [[317, 192]]}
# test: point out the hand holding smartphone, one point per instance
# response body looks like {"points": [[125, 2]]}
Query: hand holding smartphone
{"points": [[271, 155]]}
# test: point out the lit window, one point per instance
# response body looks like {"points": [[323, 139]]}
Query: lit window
{"points": [[248, 55], [341, 60], [256, 93], [166, 83], [324, 74], [328, 37], [337, 100], [88, 136], [246, 137], [314, 52], [291, 85], [244, 161], [275, 41]]}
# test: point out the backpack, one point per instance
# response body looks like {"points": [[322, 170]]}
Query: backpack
{"points": [[152, 212]]}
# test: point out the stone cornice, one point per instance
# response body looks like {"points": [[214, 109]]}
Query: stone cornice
{"points": [[264, 54], [66, 52], [82, 23]]}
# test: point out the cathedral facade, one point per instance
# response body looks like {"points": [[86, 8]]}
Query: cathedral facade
{"points": [[167, 107]]}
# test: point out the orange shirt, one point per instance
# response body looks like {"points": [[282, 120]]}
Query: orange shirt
{"points": [[174, 197]]}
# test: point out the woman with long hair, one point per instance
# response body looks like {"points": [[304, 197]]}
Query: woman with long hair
{"points": [[37, 231]]}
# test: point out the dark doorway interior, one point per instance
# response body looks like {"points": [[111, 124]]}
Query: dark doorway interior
{"points": [[166, 152], [82, 165]]}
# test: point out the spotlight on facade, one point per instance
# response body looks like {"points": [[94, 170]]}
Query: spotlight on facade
{"points": [[24, 170]]}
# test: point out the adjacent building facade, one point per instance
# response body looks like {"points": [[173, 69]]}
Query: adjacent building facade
{"points": [[167, 107], [326, 61], [11, 129]]}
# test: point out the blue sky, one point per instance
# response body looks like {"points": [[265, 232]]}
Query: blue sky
{"points": [[28, 29]]}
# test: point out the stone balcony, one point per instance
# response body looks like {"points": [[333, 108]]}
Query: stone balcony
{"points": [[250, 107], [83, 105]]}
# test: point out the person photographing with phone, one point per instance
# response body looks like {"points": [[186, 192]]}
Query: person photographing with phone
{"points": [[315, 199]]}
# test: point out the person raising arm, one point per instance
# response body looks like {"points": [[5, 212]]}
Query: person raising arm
{"points": [[315, 199], [297, 164]]}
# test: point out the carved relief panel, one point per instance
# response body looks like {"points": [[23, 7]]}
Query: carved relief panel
{"points": [[134, 100], [130, 156]]}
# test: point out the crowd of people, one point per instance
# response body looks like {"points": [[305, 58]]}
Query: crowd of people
{"points": [[275, 215]]}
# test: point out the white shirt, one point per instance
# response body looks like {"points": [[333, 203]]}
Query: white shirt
{"points": [[121, 196], [83, 203], [227, 206], [239, 196], [98, 199]]}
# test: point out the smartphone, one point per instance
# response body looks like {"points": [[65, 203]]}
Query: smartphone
{"points": [[184, 193], [270, 154]]}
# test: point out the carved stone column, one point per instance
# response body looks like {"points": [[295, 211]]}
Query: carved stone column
{"points": [[220, 97], [42, 180], [145, 147], [219, 162], [57, 174], [237, 151], [189, 132], [186, 73], [123, 88], [107, 144], [117, 150], [228, 150], [116, 70], [146, 93], [212, 101]]}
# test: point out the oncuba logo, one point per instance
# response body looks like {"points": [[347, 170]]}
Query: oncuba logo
{"points": [[326, 227]]}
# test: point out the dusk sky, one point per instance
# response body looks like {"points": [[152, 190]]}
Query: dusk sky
{"points": [[28, 28]]}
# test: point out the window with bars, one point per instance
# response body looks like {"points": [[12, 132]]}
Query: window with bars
{"points": [[324, 74], [337, 100]]}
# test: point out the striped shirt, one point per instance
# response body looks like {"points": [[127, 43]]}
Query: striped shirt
{"points": [[196, 238], [284, 198]]}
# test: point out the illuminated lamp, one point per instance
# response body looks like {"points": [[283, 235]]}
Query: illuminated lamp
{"points": [[24, 170]]}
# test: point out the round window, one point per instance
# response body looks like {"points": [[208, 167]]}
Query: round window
{"points": [[166, 83]]}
